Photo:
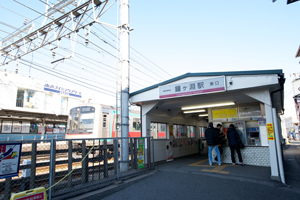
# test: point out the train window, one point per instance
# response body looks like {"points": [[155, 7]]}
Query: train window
{"points": [[136, 126], [104, 121], [87, 116], [74, 115]]}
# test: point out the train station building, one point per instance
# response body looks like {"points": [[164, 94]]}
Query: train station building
{"points": [[34, 109], [183, 106]]}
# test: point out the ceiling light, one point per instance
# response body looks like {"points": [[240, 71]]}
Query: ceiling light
{"points": [[203, 115], [208, 106], [194, 111]]}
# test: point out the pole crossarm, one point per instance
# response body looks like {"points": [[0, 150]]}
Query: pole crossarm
{"points": [[57, 29]]}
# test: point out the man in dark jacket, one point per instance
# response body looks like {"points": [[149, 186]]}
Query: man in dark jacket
{"points": [[221, 139], [233, 142], [212, 141]]}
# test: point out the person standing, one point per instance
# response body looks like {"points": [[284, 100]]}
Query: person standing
{"points": [[233, 137], [212, 141], [221, 140]]}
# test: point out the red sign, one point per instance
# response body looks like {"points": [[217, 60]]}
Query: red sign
{"points": [[36, 196]]}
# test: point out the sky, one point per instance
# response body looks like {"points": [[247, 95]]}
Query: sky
{"points": [[170, 38]]}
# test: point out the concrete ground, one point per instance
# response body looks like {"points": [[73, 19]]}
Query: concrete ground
{"points": [[191, 177]]}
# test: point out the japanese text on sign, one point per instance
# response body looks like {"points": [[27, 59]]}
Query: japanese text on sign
{"points": [[270, 131], [193, 88]]}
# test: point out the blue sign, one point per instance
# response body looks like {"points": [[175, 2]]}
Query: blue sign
{"points": [[61, 90]]}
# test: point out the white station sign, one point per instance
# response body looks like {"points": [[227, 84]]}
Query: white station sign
{"points": [[204, 86]]}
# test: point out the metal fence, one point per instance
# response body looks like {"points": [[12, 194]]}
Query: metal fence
{"points": [[67, 168]]}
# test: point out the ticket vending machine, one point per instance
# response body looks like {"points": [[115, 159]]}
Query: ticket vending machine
{"points": [[252, 130]]}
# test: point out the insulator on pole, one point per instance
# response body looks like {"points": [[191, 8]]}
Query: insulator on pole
{"points": [[25, 22], [53, 54], [86, 41]]}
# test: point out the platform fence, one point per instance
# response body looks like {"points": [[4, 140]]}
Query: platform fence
{"points": [[67, 168]]}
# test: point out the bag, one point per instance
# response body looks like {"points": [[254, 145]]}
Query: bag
{"points": [[240, 144]]}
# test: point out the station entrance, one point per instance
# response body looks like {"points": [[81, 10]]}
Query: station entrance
{"points": [[251, 100]]}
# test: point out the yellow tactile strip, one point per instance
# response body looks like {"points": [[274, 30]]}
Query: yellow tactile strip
{"points": [[216, 168]]}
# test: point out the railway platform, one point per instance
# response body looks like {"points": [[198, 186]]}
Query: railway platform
{"points": [[192, 177]]}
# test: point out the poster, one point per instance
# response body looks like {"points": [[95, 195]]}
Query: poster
{"points": [[6, 126], [169, 150], [10, 154], [17, 126], [40, 128], [49, 128], [225, 113], [25, 127], [141, 145], [270, 131], [56, 129], [171, 130], [62, 128], [33, 128]]}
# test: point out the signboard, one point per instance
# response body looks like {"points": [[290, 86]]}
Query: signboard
{"points": [[270, 131], [141, 144], [225, 113], [62, 90], [204, 86], [34, 194], [17, 126], [250, 111], [6, 126], [25, 127], [10, 154]]}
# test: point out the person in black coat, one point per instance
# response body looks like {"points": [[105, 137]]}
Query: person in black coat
{"points": [[233, 137], [212, 141], [221, 139]]}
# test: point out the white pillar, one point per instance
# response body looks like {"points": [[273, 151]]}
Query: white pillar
{"points": [[272, 146], [124, 53]]}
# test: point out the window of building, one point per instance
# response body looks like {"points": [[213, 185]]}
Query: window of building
{"points": [[191, 131], [179, 131], [159, 130], [64, 105], [202, 131], [20, 98]]}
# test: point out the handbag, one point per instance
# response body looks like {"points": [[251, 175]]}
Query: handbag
{"points": [[240, 144]]}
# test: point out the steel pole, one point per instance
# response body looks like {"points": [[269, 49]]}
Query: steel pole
{"points": [[124, 53]]}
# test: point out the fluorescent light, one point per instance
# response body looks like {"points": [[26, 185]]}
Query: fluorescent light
{"points": [[203, 115], [194, 111], [208, 106]]}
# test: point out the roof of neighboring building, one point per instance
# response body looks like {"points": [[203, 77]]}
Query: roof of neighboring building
{"points": [[228, 73]]}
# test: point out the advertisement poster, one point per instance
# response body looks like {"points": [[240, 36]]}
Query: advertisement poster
{"points": [[171, 130], [40, 128], [17, 127], [169, 150], [25, 127], [270, 131], [56, 129], [10, 159], [6, 126], [49, 128], [62, 128], [33, 128], [141, 144]]}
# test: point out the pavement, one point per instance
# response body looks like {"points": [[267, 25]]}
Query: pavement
{"points": [[192, 177]]}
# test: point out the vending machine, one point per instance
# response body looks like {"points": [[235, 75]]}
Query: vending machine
{"points": [[252, 130]]}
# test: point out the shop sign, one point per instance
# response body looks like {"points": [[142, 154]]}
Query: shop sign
{"points": [[10, 154], [141, 144], [204, 86], [62, 90], [270, 131], [225, 113]]}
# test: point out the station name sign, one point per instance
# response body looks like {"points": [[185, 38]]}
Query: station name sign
{"points": [[61, 90], [204, 86]]}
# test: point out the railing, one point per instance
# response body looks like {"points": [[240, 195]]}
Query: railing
{"points": [[31, 137], [67, 168]]}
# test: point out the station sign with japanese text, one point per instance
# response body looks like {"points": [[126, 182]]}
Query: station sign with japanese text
{"points": [[205, 86], [62, 90]]}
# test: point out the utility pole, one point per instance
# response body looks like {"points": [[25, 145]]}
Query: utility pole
{"points": [[124, 53]]}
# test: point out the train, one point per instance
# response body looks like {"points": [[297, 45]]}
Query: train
{"points": [[99, 121]]}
